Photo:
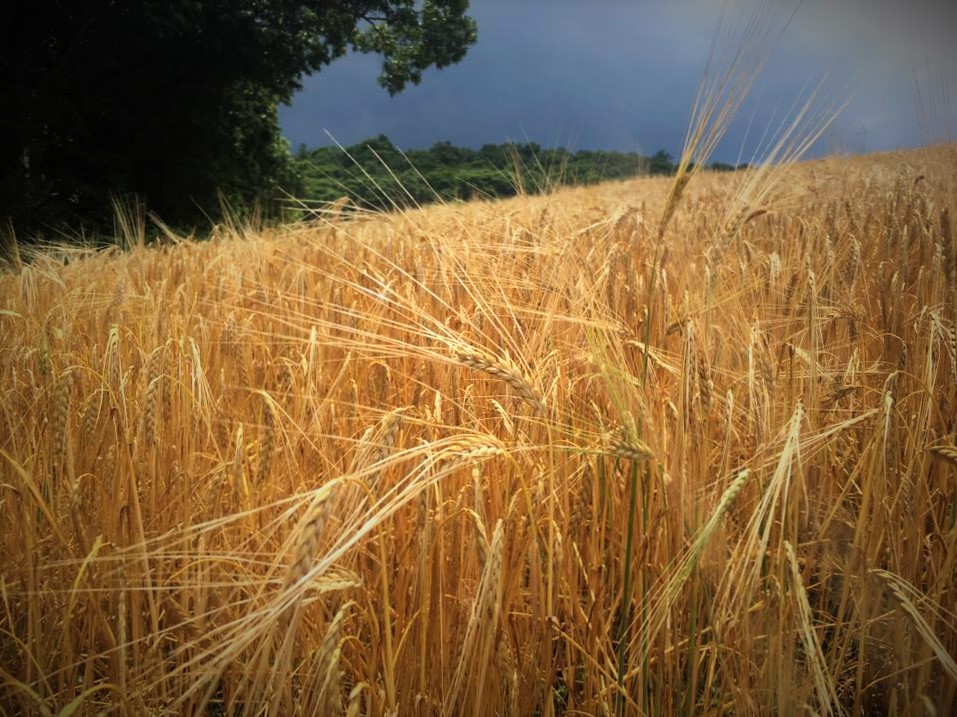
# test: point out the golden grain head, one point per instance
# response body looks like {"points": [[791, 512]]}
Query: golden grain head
{"points": [[947, 454]]}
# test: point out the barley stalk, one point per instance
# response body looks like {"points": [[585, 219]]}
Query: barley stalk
{"points": [[826, 694]]}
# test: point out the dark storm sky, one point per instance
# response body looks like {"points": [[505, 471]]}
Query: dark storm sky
{"points": [[612, 74]]}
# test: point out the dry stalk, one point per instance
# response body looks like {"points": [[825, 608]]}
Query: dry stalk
{"points": [[476, 658], [826, 694], [512, 575]]}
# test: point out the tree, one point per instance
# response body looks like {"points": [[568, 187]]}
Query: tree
{"points": [[177, 101], [661, 163], [375, 175], [447, 154], [721, 167]]}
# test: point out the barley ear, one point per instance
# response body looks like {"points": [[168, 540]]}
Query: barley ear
{"points": [[330, 698], [59, 419], [307, 546], [506, 371], [267, 445], [945, 454]]}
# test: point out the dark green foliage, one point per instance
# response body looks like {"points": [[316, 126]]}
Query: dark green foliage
{"points": [[721, 167], [176, 101], [376, 175], [662, 163]]}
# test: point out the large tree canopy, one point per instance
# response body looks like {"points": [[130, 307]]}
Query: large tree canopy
{"points": [[176, 101]]}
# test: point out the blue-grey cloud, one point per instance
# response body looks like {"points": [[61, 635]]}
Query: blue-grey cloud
{"points": [[623, 75]]}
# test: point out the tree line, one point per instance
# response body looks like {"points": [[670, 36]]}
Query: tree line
{"points": [[375, 174]]}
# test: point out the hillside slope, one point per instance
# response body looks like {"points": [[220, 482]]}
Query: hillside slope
{"points": [[512, 457]]}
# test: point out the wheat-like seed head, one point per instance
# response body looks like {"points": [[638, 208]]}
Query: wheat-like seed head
{"points": [[839, 391], [237, 474], [228, 337], [689, 370], [329, 699], [76, 512], [89, 417], [505, 371], [267, 445], [465, 449], [629, 448], [947, 454], [824, 685], [150, 401], [167, 384], [774, 267], [355, 699], [705, 381], [113, 370], [122, 626], [378, 443], [853, 263], [388, 432], [481, 536], [666, 307], [310, 534], [60, 417], [483, 620], [792, 285], [674, 198]]}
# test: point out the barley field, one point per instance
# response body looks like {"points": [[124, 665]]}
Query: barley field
{"points": [[601, 452]]}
